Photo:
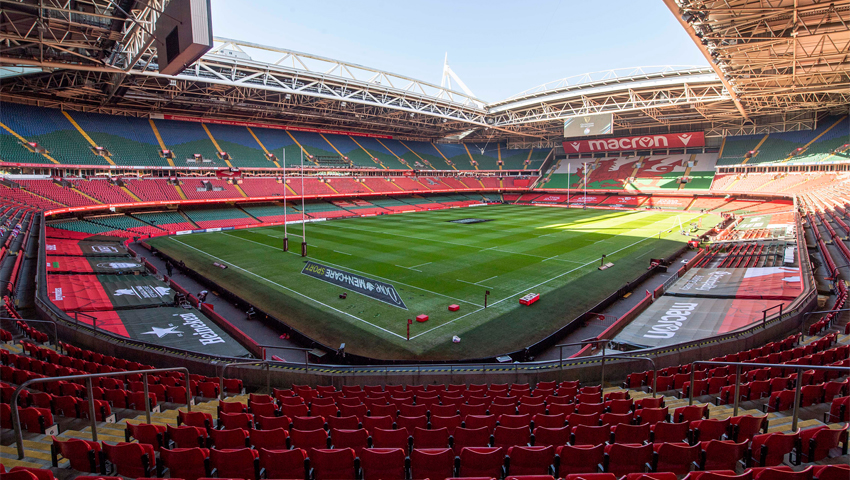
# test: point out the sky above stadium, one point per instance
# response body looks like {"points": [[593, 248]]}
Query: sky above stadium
{"points": [[497, 47]]}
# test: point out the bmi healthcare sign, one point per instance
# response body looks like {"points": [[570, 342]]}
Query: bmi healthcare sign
{"points": [[383, 292]]}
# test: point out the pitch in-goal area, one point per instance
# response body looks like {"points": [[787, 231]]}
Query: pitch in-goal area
{"points": [[433, 260]]}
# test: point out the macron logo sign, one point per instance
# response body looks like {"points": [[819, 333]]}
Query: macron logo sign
{"points": [[669, 140]]}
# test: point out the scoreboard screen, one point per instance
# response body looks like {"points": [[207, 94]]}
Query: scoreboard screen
{"points": [[586, 125]]}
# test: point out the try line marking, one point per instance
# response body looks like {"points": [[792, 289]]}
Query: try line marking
{"points": [[289, 289]]}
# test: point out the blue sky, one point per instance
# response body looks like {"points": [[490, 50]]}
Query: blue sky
{"points": [[498, 48]]}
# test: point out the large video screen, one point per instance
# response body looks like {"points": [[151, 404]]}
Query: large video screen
{"points": [[585, 125]]}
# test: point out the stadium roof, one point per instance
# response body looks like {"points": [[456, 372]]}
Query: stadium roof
{"points": [[774, 67]]}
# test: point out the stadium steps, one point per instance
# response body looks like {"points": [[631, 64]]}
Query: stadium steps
{"points": [[315, 162], [159, 139], [183, 214], [239, 189], [180, 192], [687, 172], [43, 197], [80, 192], [85, 135], [499, 154], [24, 140], [276, 164], [693, 200], [806, 146], [426, 162], [239, 207], [332, 146], [769, 182], [444, 157], [131, 194], [217, 147], [471, 160], [527, 161], [763, 139], [328, 184], [400, 160], [368, 153]]}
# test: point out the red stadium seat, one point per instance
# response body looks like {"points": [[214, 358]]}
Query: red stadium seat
{"points": [[678, 458], [276, 439], [292, 464], [229, 439], [721, 455], [308, 439], [186, 463], [186, 436], [769, 449], [83, 454], [551, 436], [241, 463], [623, 459], [481, 462], [356, 439], [710, 429], [382, 463], [531, 461], [130, 459], [581, 458], [336, 464], [470, 437], [818, 441], [433, 438], [630, 433], [153, 435], [587, 435], [391, 438], [343, 423], [431, 463], [450, 423], [508, 437]]}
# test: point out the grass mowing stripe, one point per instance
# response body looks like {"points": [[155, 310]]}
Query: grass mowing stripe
{"points": [[286, 288], [358, 271], [416, 241]]}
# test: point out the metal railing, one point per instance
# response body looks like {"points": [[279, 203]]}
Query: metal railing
{"points": [[297, 349], [583, 343], [16, 420], [265, 364], [27, 320], [647, 359], [798, 388]]}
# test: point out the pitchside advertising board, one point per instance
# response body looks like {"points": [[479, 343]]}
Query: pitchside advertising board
{"points": [[584, 125], [777, 283], [643, 142], [383, 292], [671, 320]]}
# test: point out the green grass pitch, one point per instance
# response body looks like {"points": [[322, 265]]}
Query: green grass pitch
{"points": [[433, 263]]}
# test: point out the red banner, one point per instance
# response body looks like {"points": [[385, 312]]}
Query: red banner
{"points": [[265, 125], [665, 140]]}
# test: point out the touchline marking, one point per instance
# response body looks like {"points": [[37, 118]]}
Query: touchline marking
{"points": [[337, 251], [289, 289], [358, 271]]}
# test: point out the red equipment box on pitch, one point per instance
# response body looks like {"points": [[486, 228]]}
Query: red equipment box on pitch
{"points": [[529, 299], [454, 308], [422, 318]]}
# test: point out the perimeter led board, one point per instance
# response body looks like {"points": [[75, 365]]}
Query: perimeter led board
{"points": [[586, 125]]}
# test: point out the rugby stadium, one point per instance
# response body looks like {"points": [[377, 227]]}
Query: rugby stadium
{"points": [[216, 265]]}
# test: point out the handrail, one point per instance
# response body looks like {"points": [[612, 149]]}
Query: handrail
{"points": [[16, 420], [654, 369], [265, 364], [297, 349], [738, 365], [57, 343], [589, 341]]}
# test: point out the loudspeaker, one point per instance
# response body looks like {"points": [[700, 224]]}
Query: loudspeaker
{"points": [[183, 34]]}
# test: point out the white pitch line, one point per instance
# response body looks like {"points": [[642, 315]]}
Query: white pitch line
{"points": [[337, 251], [409, 268], [476, 284], [421, 265], [358, 271], [482, 281], [289, 289]]}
